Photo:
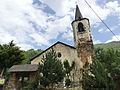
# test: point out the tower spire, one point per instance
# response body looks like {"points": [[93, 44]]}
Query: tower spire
{"points": [[78, 14]]}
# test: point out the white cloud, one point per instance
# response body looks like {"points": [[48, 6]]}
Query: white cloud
{"points": [[15, 17], [96, 25], [114, 38], [25, 47], [5, 37], [40, 39], [63, 7], [19, 20], [113, 28], [68, 35], [96, 41], [114, 6], [102, 30]]}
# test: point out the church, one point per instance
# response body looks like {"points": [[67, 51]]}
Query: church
{"points": [[81, 52]]}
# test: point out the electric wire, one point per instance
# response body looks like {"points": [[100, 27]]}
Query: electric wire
{"points": [[102, 20]]}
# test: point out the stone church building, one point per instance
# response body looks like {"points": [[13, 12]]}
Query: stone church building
{"points": [[82, 50]]}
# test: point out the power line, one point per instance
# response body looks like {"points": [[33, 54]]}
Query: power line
{"points": [[102, 20]]}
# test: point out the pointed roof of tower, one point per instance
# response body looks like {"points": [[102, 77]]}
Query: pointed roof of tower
{"points": [[78, 14]]}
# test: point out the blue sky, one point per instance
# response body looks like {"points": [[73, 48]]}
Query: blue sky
{"points": [[38, 24]]}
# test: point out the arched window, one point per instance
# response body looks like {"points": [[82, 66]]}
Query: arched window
{"points": [[80, 27], [59, 54]]}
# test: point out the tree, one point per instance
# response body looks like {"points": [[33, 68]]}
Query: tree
{"points": [[105, 70], [10, 55], [68, 68], [30, 54], [97, 77], [111, 59], [51, 69]]}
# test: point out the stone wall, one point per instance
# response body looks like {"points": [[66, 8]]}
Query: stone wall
{"points": [[70, 88], [33, 77], [14, 84], [11, 83], [83, 41], [67, 53]]}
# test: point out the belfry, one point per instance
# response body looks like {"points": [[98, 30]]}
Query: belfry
{"points": [[82, 37]]}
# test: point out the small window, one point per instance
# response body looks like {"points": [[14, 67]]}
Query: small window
{"points": [[26, 78], [81, 27], [20, 79], [59, 54]]}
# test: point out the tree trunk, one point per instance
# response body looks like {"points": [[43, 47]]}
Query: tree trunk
{"points": [[2, 72]]}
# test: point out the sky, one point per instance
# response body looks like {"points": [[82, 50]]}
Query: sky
{"points": [[38, 24]]}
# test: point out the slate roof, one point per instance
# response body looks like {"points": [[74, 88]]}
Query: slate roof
{"points": [[78, 14], [51, 47], [24, 68]]}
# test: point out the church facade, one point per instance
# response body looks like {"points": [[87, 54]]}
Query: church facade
{"points": [[82, 51], [64, 52]]}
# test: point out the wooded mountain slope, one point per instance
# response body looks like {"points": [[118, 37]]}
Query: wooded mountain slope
{"points": [[114, 45]]}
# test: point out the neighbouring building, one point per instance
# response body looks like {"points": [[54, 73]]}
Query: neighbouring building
{"points": [[21, 74]]}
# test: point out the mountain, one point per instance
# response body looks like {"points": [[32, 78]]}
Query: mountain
{"points": [[114, 45]]}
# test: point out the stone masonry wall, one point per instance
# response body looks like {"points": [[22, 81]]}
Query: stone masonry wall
{"points": [[67, 53]]}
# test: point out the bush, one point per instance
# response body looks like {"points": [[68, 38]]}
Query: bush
{"points": [[67, 82], [30, 86]]}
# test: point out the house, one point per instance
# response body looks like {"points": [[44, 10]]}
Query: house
{"points": [[18, 74]]}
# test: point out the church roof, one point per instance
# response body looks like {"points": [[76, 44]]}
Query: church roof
{"points": [[51, 47], [24, 68], [78, 14]]}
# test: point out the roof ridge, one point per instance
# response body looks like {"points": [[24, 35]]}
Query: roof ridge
{"points": [[51, 47]]}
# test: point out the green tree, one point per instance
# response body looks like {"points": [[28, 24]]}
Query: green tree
{"points": [[30, 54], [111, 59], [97, 77], [106, 70], [51, 69], [10, 55], [68, 68]]}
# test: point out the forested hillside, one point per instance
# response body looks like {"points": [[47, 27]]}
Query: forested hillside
{"points": [[30, 54], [114, 45]]}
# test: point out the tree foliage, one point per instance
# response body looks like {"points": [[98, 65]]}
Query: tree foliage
{"points": [[51, 69], [105, 71], [68, 68], [30, 54], [10, 54], [114, 44]]}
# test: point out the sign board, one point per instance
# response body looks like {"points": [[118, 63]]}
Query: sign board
{"points": [[2, 80]]}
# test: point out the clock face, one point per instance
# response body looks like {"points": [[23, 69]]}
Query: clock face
{"points": [[81, 27]]}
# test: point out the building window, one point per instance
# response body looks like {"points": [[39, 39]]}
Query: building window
{"points": [[81, 27], [59, 54]]}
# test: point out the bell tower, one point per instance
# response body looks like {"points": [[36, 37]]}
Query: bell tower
{"points": [[82, 37]]}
